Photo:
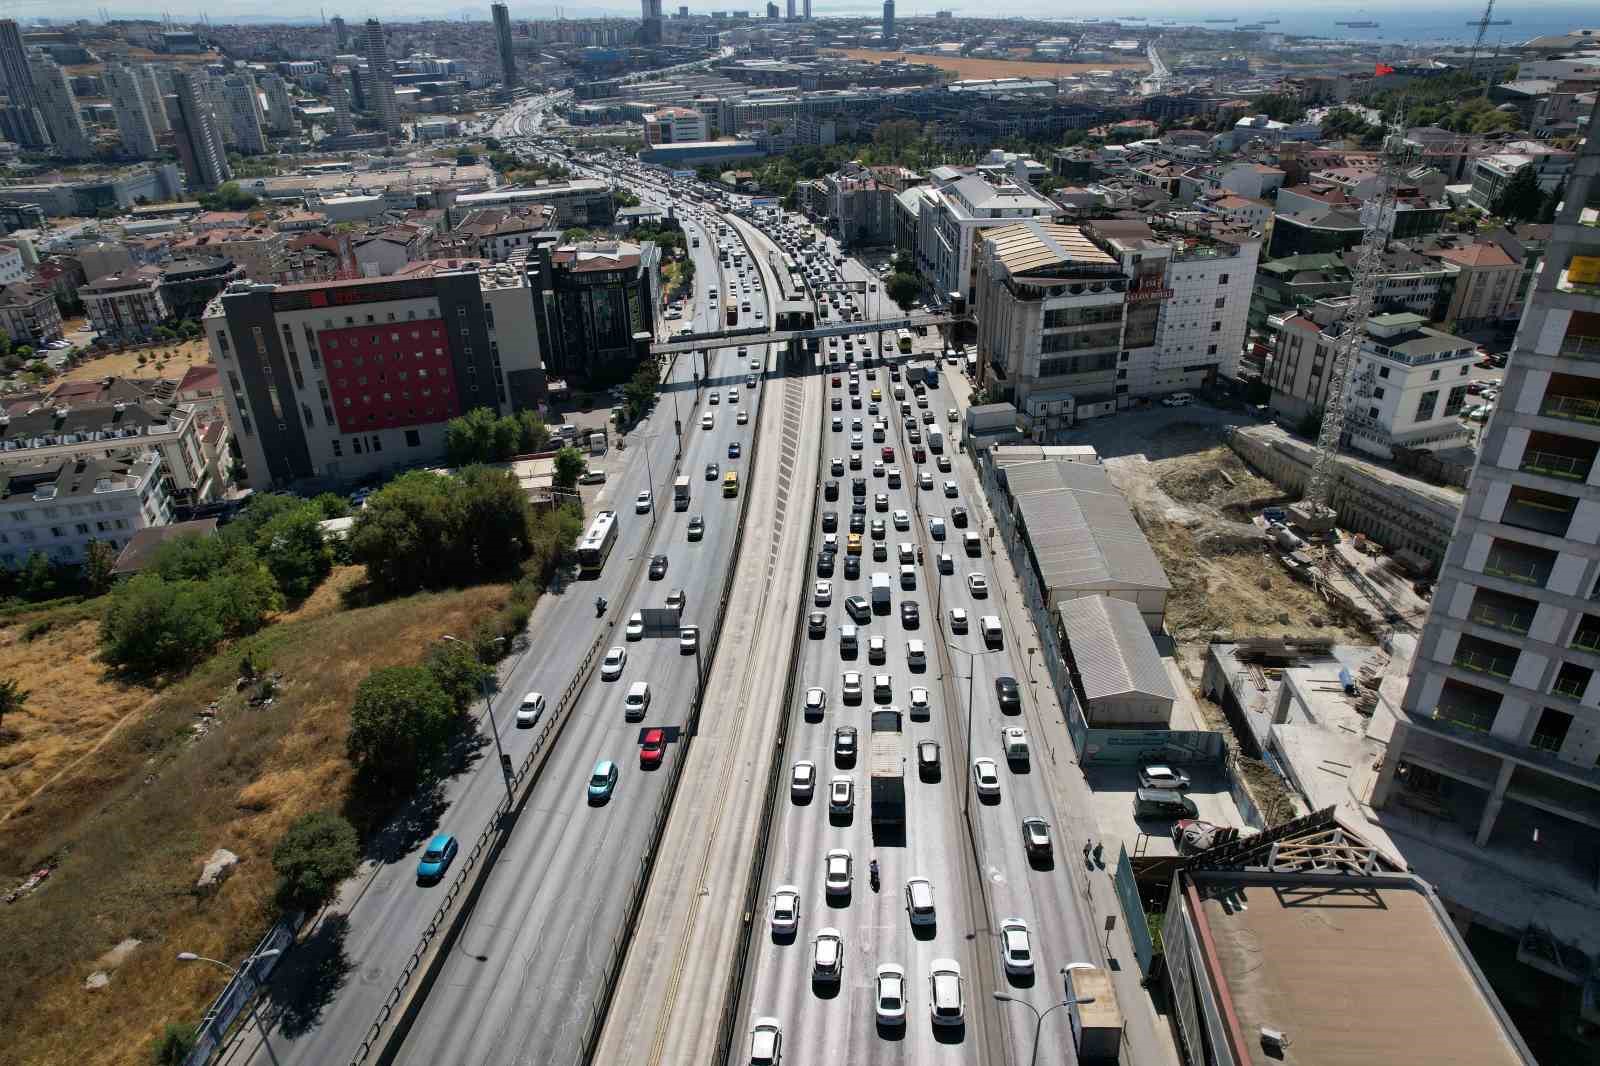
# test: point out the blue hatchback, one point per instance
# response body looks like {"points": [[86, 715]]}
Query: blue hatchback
{"points": [[437, 859], [602, 781]]}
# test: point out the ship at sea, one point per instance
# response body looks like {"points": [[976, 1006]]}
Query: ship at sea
{"points": [[1358, 25], [1252, 26], [1270, 22], [1222, 21]]}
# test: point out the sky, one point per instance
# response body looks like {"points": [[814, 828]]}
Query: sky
{"points": [[1398, 20]]}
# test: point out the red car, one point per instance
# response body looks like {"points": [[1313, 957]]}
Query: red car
{"points": [[836, 381], [888, 455], [653, 747], [919, 455]]}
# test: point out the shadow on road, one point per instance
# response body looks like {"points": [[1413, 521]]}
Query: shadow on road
{"points": [[310, 976]]}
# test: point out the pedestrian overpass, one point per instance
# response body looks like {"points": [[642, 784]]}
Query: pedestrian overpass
{"points": [[794, 339]]}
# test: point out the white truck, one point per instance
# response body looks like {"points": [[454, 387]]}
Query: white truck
{"points": [[680, 493]]}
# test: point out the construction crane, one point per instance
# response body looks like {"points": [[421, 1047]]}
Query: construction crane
{"points": [[1313, 514], [1483, 23]]}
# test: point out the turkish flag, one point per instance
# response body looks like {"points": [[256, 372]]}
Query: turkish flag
{"points": [[1381, 69]]}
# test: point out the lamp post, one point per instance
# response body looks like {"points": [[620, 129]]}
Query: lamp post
{"points": [[966, 790], [189, 956], [1038, 1015], [488, 710]]}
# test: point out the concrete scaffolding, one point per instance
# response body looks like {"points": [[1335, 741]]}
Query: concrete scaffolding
{"points": [[1411, 518]]}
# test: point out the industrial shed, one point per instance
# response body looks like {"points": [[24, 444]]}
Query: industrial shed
{"points": [[1082, 539], [1119, 673]]}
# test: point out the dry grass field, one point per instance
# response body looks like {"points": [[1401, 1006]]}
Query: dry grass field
{"points": [[114, 784], [165, 361], [967, 67]]}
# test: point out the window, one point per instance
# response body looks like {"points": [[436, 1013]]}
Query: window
{"points": [[1551, 731], [1456, 401], [1383, 371], [413, 439], [82, 527], [377, 443], [355, 445], [1216, 327], [1433, 376], [1426, 404], [338, 448], [1221, 300], [1211, 349], [1372, 412], [1377, 394], [1222, 279]]}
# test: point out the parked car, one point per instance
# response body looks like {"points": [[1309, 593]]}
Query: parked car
{"points": [[1155, 775]]}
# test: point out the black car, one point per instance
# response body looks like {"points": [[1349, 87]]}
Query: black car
{"points": [[658, 567], [830, 490], [958, 517], [858, 522], [836, 404], [858, 507], [844, 744], [852, 566], [858, 609], [830, 521], [1010, 697], [858, 488], [909, 615], [697, 527], [824, 564], [816, 624], [712, 472]]}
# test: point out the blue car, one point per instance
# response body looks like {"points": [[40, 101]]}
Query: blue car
{"points": [[437, 859], [602, 781]]}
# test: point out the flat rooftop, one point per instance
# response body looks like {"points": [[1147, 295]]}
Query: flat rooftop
{"points": [[1355, 970]]}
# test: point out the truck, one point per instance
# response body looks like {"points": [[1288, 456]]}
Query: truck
{"points": [[935, 439], [680, 493], [597, 442], [1097, 1025], [887, 770], [923, 373], [882, 590]]}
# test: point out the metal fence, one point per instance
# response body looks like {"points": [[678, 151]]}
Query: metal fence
{"points": [[1127, 889]]}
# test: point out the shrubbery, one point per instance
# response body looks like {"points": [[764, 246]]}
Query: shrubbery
{"points": [[479, 436]]}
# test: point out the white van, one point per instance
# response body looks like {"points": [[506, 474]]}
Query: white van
{"points": [[637, 701], [919, 901], [989, 626], [1177, 399]]}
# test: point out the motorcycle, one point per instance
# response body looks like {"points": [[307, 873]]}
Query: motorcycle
{"points": [[872, 874], [599, 605]]}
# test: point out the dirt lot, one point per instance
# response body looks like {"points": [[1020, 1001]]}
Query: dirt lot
{"points": [[166, 360], [1194, 498], [967, 67], [135, 798]]}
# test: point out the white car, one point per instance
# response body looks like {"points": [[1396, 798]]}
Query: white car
{"points": [[925, 481], [891, 995], [708, 420], [986, 776], [1157, 776], [803, 779], [841, 795], [827, 956], [944, 992], [641, 503], [766, 1042], [916, 653], [919, 702], [978, 585], [529, 710], [902, 520], [836, 875], [851, 685], [950, 489], [611, 666], [822, 596], [877, 649], [688, 639], [785, 909], [816, 702], [1015, 950], [635, 629], [958, 619]]}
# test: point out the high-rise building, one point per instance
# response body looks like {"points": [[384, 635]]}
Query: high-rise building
{"points": [[888, 21], [126, 90], [339, 97], [808, 10], [280, 108], [244, 112], [195, 134], [155, 99], [1496, 743], [502, 32], [58, 105], [791, 10], [341, 35], [650, 27], [14, 64], [772, 10], [380, 77]]}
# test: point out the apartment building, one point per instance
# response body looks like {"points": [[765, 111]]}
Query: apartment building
{"points": [[56, 507], [330, 382], [1486, 285], [674, 125], [28, 312], [1495, 748], [126, 306], [1493, 173], [953, 214]]}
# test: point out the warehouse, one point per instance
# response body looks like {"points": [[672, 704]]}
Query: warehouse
{"points": [[1119, 675]]}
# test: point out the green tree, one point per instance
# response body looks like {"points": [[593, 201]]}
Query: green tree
{"points": [[98, 559], [399, 726], [533, 434], [317, 852], [570, 465], [228, 197], [400, 528], [903, 289], [153, 625], [292, 547], [574, 234], [173, 1046], [457, 670], [332, 505], [472, 438], [12, 698], [38, 577], [1521, 199]]}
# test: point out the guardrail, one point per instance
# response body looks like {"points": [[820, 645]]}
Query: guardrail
{"points": [[594, 1024]]}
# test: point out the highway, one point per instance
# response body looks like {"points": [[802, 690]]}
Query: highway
{"points": [[824, 1023], [522, 978]]}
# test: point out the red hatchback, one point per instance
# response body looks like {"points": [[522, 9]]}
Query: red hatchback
{"points": [[836, 381], [652, 748], [888, 455]]}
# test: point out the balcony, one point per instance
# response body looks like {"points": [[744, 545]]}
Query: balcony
{"points": [[1497, 610], [1466, 706], [1522, 563], [1572, 682], [1542, 512], [1587, 637], [1486, 657], [1558, 456], [1573, 398]]}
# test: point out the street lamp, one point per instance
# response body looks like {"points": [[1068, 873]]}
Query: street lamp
{"points": [[966, 790], [488, 710], [1038, 1015], [189, 956]]}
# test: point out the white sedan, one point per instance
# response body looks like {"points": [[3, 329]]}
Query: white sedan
{"points": [[635, 630], [816, 702], [611, 666], [978, 585], [785, 910], [958, 619], [986, 776], [891, 995], [803, 779], [836, 876], [1016, 952], [822, 596], [841, 795], [919, 703], [852, 686], [641, 503], [902, 520]]}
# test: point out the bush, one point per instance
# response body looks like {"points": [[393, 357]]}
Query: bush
{"points": [[399, 726], [318, 852], [480, 437], [294, 552], [457, 669], [172, 1047], [570, 465], [332, 505]]}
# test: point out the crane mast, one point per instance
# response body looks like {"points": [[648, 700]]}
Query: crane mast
{"points": [[1313, 513]]}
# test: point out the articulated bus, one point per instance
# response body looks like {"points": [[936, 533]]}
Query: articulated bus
{"points": [[733, 310], [596, 543]]}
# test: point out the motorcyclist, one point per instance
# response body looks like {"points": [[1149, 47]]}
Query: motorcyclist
{"points": [[872, 870], [599, 604]]}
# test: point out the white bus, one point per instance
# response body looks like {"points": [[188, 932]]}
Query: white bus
{"points": [[596, 544]]}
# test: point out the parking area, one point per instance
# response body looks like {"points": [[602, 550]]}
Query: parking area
{"points": [[1114, 788]]}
